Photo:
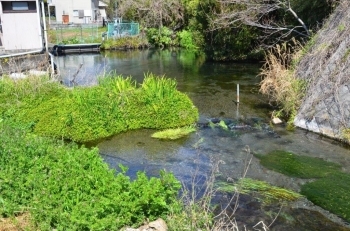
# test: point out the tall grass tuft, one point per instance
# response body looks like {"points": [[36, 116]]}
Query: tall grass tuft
{"points": [[117, 83], [158, 87], [279, 81]]}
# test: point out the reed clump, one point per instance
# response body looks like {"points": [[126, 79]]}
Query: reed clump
{"points": [[279, 81]]}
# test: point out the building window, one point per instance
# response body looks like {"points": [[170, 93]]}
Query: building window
{"points": [[75, 13], [81, 13], [19, 7]]}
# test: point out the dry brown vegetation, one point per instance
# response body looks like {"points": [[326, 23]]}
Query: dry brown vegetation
{"points": [[21, 222], [279, 81]]}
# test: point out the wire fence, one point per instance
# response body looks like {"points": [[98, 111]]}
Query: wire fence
{"points": [[77, 34]]}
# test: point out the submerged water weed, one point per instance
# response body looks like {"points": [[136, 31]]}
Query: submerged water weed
{"points": [[173, 134], [267, 192], [66, 187], [331, 193], [294, 165]]}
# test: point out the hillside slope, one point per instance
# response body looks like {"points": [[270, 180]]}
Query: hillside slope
{"points": [[326, 68]]}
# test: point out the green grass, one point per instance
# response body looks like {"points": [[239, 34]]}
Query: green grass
{"points": [[133, 42], [173, 134], [299, 166]]}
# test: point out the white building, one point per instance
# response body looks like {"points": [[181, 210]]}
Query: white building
{"points": [[78, 11], [21, 27]]}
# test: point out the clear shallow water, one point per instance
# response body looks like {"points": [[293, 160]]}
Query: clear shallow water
{"points": [[212, 87]]}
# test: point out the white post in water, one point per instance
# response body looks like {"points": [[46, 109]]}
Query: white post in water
{"points": [[237, 111], [237, 94]]}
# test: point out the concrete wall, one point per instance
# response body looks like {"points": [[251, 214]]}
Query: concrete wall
{"points": [[21, 30], [72, 8], [326, 68]]}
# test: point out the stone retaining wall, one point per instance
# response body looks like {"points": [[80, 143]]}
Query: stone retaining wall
{"points": [[326, 68]]}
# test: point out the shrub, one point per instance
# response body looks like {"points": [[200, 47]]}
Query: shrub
{"points": [[162, 37], [186, 39]]}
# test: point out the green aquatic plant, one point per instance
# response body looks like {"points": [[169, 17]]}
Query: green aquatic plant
{"points": [[173, 134], [84, 114], [331, 193], [265, 191], [158, 87], [118, 83], [223, 125], [330, 190], [299, 166]]}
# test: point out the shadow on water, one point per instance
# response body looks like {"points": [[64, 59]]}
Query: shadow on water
{"points": [[212, 88]]}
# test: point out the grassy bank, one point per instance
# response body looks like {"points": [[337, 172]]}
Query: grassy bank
{"points": [[85, 114], [122, 43]]}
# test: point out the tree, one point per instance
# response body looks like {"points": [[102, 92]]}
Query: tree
{"points": [[267, 15], [154, 13]]}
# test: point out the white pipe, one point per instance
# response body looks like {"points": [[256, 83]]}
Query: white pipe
{"points": [[49, 12], [23, 53], [237, 93], [45, 31], [52, 63]]}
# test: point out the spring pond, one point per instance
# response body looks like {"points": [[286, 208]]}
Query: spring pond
{"points": [[212, 88]]}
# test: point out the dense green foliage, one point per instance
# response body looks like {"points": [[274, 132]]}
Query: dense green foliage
{"points": [[296, 165], [64, 187], [161, 37], [329, 191], [192, 21], [84, 114]]}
